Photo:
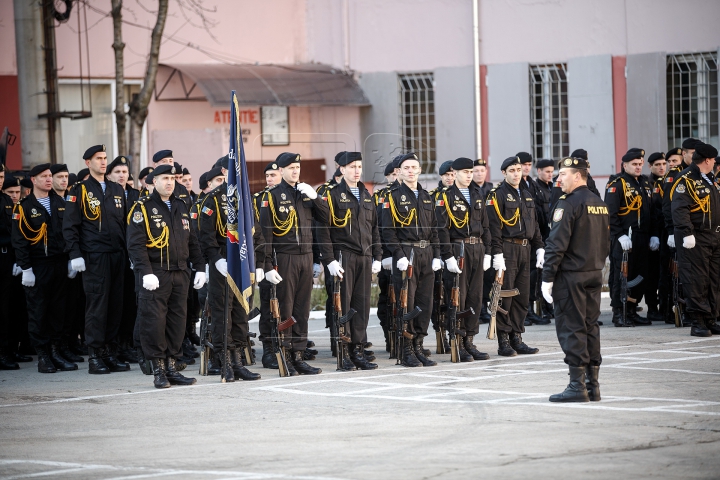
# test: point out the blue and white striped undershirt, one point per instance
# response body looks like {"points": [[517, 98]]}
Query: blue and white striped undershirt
{"points": [[167, 202], [355, 191], [102, 184], [45, 202], [416, 193], [466, 193]]}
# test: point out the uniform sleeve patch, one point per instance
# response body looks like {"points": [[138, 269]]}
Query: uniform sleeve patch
{"points": [[70, 198], [264, 203], [489, 202], [656, 190], [440, 203], [137, 217], [193, 215], [386, 205], [16, 216], [558, 214], [611, 190], [207, 211], [680, 188], [668, 179]]}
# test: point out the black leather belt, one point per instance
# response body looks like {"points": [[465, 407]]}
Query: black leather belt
{"points": [[524, 242], [469, 240], [420, 244]]}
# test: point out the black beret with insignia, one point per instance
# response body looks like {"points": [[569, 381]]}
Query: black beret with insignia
{"points": [[406, 156], [389, 169], [92, 151], [162, 170], [38, 169], [633, 154], [145, 172], [674, 151], [655, 157], [285, 159], [118, 162], [524, 157], [26, 182], [185, 171], [72, 180], [162, 154], [57, 168], [510, 161], [82, 174], [10, 182], [215, 172], [462, 163], [345, 158], [570, 162], [690, 143], [480, 163], [270, 166], [446, 167], [396, 161], [580, 153], [178, 167], [705, 150], [203, 181], [544, 163], [223, 162]]}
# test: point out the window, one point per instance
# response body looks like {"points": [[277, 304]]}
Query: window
{"points": [[549, 111], [692, 97], [417, 117]]}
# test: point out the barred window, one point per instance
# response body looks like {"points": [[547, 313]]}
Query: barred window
{"points": [[417, 117], [692, 97], [549, 111]]}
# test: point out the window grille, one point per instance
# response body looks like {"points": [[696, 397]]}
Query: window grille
{"points": [[417, 117], [549, 111]]}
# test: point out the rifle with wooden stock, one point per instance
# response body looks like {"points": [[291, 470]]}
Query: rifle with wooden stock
{"points": [[403, 316], [678, 301], [280, 327], [496, 294], [455, 319], [438, 313], [338, 323]]}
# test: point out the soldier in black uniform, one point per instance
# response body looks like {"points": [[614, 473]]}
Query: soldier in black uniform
{"points": [[695, 201], [515, 231], [94, 232], [479, 179], [557, 190], [658, 167], [545, 169], [572, 277], [461, 218], [352, 229], [161, 243], [286, 221], [39, 250], [383, 312], [8, 269], [674, 173], [165, 157], [629, 197], [142, 177], [480, 176], [409, 223]]}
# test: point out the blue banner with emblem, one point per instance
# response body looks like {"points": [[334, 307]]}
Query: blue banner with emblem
{"points": [[240, 221]]}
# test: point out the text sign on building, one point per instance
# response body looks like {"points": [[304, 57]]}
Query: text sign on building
{"points": [[275, 126], [249, 122]]}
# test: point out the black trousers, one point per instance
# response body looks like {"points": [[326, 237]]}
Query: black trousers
{"points": [[471, 284], [8, 320], [517, 275], [162, 314], [420, 290], [383, 311], [103, 281], [265, 322], [700, 275], [237, 322], [294, 294], [355, 293], [577, 309], [533, 275], [637, 265], [127, 322], [46, 301], [194, 309]]}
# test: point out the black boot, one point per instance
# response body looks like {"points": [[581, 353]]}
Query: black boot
{"points": [[655, 316], [127, 354], [269, 359], [592, 372], [358, 358], [504, 348], [213, 364], [57, 359], [472, 349], [145, 366], [446, 343], [96, 365], [464, 354], [409, 359], [226, 366], [289, 362], [76, 346], [537, 319], [484, 314], [302, 367], [637, 320], [188, 350], [194, 338], [308, 355], [174, 376], [713, 326], [239, 369], [159, 372], [18, 357], [576, 390], [67, 354], [115, 365], [311, 344], [698, 328], [6, 362], [517, 344], [548, 311], [45, 364], [387, 338], [347, 364], [617, 318], [420, 353]]}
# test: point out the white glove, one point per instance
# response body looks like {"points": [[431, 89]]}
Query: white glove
{"points": [[28, 278], [78, 264], [671, 241], [625, 242], [487, 262], [71, 272], [546, 289], [200, 279], [150, 282], [273, 277], [452, 265], [221, 266], [307, 190], [654, 244], [376, 266], [540, 254], [317, 270], [259, 275], [132, 267], [499, 262], [16, 270], [688, 242], [387, 263], [436, 264], [402, 264], [335, 269]]}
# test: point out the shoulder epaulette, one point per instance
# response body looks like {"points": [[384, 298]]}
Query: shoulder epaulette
{"points": [[267, 189], [562, 197], [612, 181], [144, 199]]}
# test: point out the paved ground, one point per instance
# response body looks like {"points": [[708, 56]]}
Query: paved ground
{"points": [[659, 417]]}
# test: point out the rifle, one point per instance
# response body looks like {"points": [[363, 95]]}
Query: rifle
{"points": [[678, 302], [247, 349], [438, 314], [539, 299], [205, 337], [495, 295], [455, 319], [279, 326], [338, 325], [625, 285], [392, 308], [403, 316]]}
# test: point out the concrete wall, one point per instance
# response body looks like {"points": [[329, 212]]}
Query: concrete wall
{"points": [[454, 113], [646, 102]]}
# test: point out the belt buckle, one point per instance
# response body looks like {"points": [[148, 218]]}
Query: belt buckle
{"points": [[472, 240], [525, 242], [423, 243], [717, 230], [3, 250]]}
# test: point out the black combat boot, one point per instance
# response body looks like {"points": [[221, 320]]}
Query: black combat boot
{"points": [[592, 372], [617, 318], [226, 366], [347, 364], [387, 338], [516, 342], [96, 365], [420, 353], [446, 343], [311, 344], [57, 359], [698, 328], [20, 358], [239, 369], [484, 314], [576, 390], [537, 319], [369, 355], [548, 311], [269, 359], [188, 349], [289, 362], [358, 358], [6, 362], [213, 364], [125, 353], [409, 359], [159, 372], [115, 365], [307, 355], [67, 354], [302, 367], [636, 319], [655, 316], [76, 346], [713, 326], [311, 350], [144, 363], [174, 376], [45, 364], [193, 336], [504, 348], [472, 349], [464, 354]]}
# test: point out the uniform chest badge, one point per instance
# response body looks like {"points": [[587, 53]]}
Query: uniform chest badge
{"points": [[282, 195], [137, 217], [558, 214], [510, 198], [90, 194], [224, 197], [163, 224], [707, 190], [343, 196], [33, 211], [402, 198], [282, 209], [186, 224], [154, 210], [680, 188]]}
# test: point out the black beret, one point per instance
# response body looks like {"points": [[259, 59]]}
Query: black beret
{"points": [[82, 174], [396, 161], [705, 150], [656, 156], [215, 172], [119, 161], [674, 151], [343, 158], [57, 168], [270, 166], [10, 182], [145, 172], [446, 167], [579, 153], [185, 171], [26, 182], [480, 163], [223, 162], [406, 156], [524, 157], [462, 163], [690, 143], [162, 154], [510, 161], [203, 181], [544, 163], [164, 169], [178, 167], [633, 154], [717, 161], [389, 169], [92, 151], [130, 177], [337, 173], [2, 167], [570, 162], [38, 169], [286, 158], [72, 179]]}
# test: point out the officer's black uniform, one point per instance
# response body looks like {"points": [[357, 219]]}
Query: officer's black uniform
{"points": [[269, 360], [652, 282], [384, 312], [318, 254], [127, 325], [8, 284]]}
